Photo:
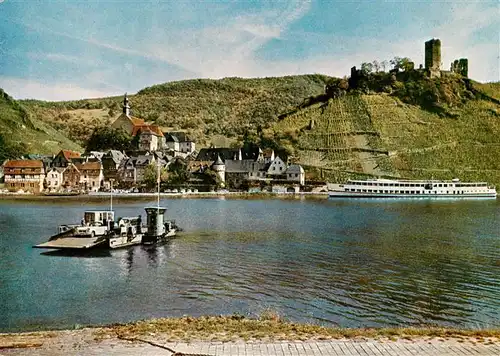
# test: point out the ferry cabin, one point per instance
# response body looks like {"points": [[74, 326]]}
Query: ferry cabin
{"points": [[395, 188]]}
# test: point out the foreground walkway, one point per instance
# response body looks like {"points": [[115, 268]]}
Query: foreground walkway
{"points": [[149, 347]]}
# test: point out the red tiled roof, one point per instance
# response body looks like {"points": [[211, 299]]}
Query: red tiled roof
{"points": [[154, 129], [89, 166], [136, 121], [70, 154], [138, 128], [24, 163]]}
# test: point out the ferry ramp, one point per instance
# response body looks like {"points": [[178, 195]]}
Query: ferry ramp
{"points": [[71, 243]]}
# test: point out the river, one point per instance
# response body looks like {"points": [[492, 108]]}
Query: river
{"points": [[349, 263]]}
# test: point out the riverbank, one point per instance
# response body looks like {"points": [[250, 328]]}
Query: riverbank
{"points": [[236, 335], [151, 196]]}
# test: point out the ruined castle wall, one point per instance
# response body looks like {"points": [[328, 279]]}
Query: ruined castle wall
{"points": [[433, 57]]}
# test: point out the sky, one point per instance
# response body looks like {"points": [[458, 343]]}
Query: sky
{"points": [[75, 49]]}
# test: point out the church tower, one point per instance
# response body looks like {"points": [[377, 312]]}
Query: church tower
{"points": [[126, 105]]}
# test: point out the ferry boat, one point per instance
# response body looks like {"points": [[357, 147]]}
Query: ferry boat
{"points": [[98, 228], [388, 188], [90, 233], [158, 229], [127, 232]]}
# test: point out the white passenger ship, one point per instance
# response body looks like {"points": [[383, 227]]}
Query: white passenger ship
{"points": [[387, 188]]}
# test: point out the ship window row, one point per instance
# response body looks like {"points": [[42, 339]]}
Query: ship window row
{"points": [[409, 191], [411, 185], [373, 184]]}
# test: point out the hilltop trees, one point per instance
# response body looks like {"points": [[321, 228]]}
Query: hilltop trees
{"points": [[399, 64], [366, 68], [403, 64]]}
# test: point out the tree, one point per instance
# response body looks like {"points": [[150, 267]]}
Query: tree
{"points": [[384, 64], [402, 63], [376, 66], [366, 68], [104, 138], [211, 178], [151, 175], [178, 172]]}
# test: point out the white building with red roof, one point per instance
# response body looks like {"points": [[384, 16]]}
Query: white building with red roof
{"points": [[24, 175], [150, 136]]}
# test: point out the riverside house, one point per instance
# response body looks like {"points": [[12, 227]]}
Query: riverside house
{"points": [[54, 179], [65, 157], [131, 170], [71, 178], [295, 173], [24, 175], [91, 176]]}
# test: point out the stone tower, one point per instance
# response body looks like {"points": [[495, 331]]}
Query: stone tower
{"points": [[433, 57], [220, 168], [126, 105]]}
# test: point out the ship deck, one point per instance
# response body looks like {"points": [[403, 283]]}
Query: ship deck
{"points": [[71, 243]]}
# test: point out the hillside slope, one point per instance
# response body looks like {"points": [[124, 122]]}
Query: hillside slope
{"points": [[403, 133], [210, 110], [380, 135], [20, 133]]}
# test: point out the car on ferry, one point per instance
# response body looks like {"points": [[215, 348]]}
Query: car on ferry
{"points": [[95, 223]]}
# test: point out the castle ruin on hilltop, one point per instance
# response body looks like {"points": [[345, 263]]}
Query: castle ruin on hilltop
{"points": [[433, 61]]}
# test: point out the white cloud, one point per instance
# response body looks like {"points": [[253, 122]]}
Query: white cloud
{"points": [[215, 51], [230, 47], [29, 89]]}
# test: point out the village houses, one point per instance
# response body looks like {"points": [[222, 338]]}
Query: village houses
{"points": [[236, 166], [179, 141], [91, 176], [70, 171], [24, 175]]}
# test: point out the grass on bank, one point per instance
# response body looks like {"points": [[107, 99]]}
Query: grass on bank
{"points": [[269, 326]]}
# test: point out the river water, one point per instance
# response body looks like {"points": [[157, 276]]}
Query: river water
{"points": [[347, 263]]}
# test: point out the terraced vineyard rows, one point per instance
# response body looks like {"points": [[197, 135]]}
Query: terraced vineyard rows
{"points": [[339, 131], [425, 145]]}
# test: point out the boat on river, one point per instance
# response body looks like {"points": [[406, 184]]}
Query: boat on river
{"points": [[99, 229], [92, 232], [129, 231], [388, 188]]}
